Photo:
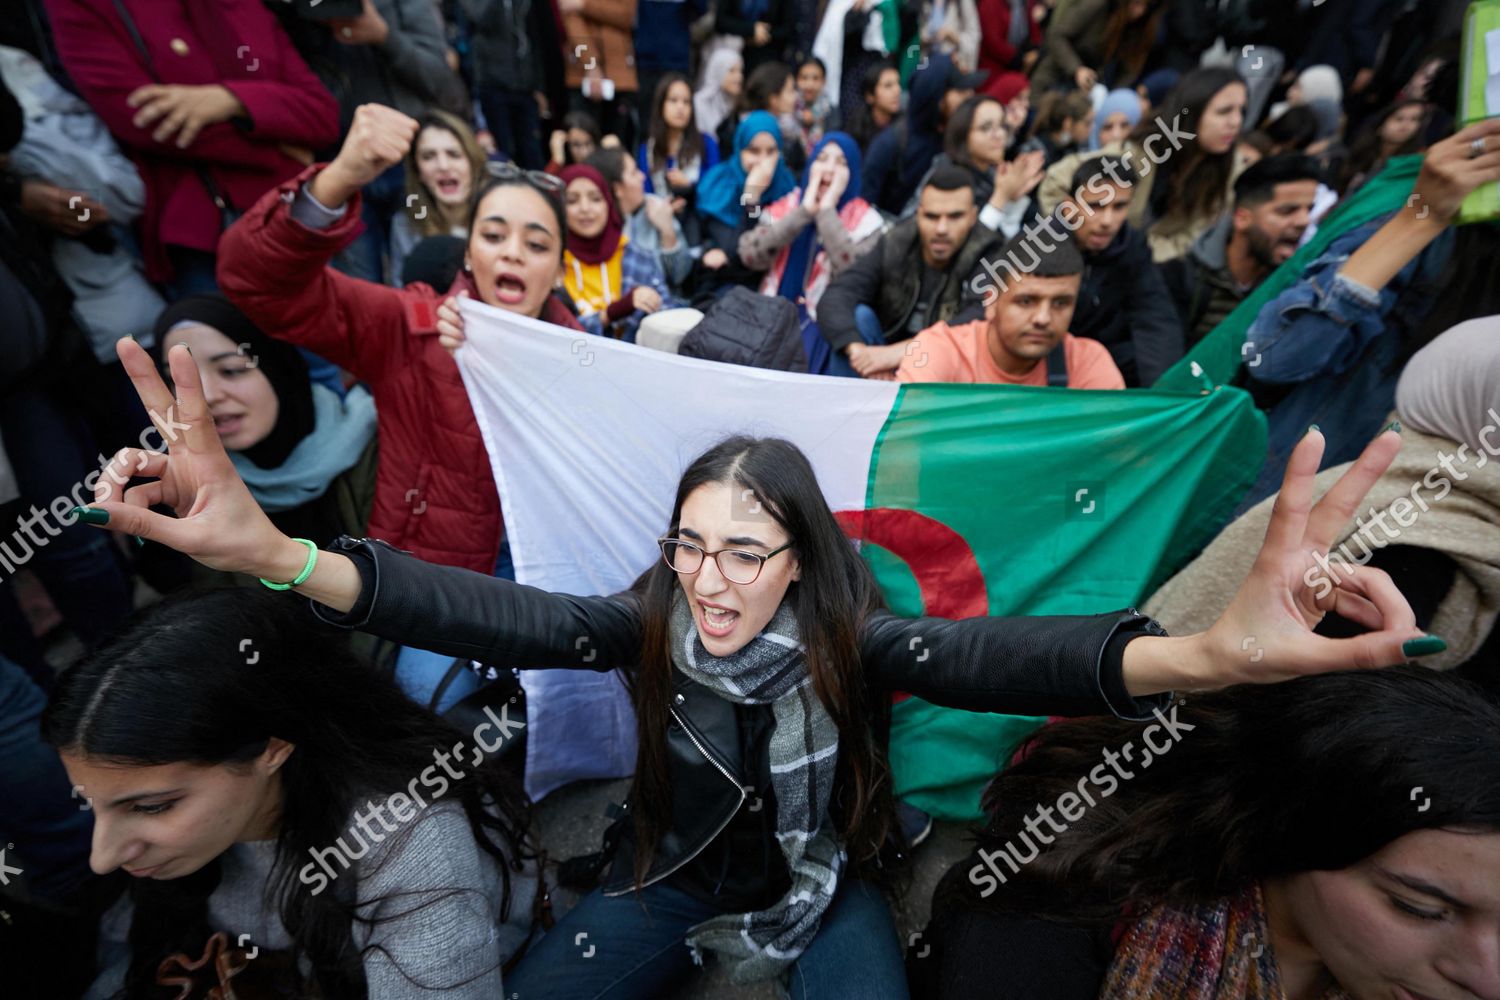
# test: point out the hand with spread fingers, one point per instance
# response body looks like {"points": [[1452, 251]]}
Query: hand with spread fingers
{"points": [[1266, 633], [218, 522]]}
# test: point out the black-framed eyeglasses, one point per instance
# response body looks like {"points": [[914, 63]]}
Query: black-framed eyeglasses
{"points": [[505, 170], [739, 567]]}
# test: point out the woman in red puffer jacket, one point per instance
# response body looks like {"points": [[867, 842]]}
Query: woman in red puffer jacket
{"points": [[434, 493]]}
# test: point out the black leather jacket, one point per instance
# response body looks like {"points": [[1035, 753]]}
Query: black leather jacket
{"points": [[717, 764]]}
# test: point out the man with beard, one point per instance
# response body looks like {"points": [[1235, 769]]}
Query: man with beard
{"points": [[1272, 203]]}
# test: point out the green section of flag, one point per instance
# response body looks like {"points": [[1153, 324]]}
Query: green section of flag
{"points": [[1072, 502], [1482, 18]]}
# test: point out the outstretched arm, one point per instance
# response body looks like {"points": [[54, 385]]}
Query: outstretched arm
{"points": [[358, 584]]}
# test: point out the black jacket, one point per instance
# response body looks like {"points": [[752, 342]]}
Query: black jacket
{"points": [[1123, 304], [717, 760], [889, 279]]}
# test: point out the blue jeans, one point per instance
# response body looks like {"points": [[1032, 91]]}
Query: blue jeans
{"points": [[419, 672], [868, 324], [50, 830], [618, 947], [382, 198]]}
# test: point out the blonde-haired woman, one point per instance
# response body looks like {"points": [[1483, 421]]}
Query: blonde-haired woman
{"points": [[443, 170]]}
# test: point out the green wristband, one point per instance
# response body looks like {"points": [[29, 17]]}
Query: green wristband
{"points": [[312, 560]]}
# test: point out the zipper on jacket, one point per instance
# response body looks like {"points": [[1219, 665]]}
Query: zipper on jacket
{"points": [[690, 855]]}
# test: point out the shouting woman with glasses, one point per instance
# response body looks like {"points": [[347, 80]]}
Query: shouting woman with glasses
{"points": [[434, 493], [762, 793]]}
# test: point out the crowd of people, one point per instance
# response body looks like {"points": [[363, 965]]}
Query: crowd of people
{"points": [[1049, 193]]}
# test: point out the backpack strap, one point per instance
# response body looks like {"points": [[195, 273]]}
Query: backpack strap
{"points": [[1057, 365]]}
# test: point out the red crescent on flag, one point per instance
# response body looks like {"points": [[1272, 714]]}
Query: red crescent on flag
{"points": [[944, 566]]}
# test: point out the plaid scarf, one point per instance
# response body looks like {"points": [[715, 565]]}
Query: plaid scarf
{"points": [[1210, 951], [771, 669]]}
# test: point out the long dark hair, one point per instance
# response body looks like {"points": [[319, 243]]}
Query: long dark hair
{"points": [[862, 117], [764, 82], [1190, 183], [1128, 43], [836, 593], [1309, 775], [553, 198], [1367, 151], [658, 147], [209, 678], [956, 133]]}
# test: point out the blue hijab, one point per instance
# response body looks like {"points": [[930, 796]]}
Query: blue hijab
{"points": [[806, 246], [1124, 100], [720, 189]]}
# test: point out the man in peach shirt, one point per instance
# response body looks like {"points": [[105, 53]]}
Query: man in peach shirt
{"points": [[1023, 336]]}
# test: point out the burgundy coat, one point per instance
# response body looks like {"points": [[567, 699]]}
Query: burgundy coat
{"points": [[235, 43], [434, 492]]}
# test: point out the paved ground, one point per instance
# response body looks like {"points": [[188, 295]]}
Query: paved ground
{"points": [[572, 821]]}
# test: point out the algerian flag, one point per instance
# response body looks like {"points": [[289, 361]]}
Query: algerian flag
{"points": [[969, 499]]}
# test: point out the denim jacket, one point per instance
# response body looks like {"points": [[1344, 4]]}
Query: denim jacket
{"points": [[1326, 352]]}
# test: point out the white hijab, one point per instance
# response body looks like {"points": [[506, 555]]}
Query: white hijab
{"points": [[710, 104], [1450, 388]]}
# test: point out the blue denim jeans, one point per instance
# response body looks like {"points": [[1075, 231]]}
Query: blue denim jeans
{"points": [[868, 325], [50, 830], [620, 947], [419, 672]]}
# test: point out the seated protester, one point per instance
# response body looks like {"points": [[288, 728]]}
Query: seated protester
{"points": [[752, 174], [612, 281], [1064, 121], [723, 82], [812, 234], [1123, 301], [772, 88], [1273, 201], [245, 804], [879, 104], [1114, 118], [782, 655], [814, 106], [308, 456], [1398, 130], [976, 140], [575, 142], [1442, 550], [675, 154], [1266, 842], [922, 273], [650, 224], [1185, 182], [899, 157], [443, 169], [1023, 338], [1329, 348]]}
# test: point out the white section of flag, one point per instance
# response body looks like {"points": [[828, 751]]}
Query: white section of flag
{"points": [[587, 439]]}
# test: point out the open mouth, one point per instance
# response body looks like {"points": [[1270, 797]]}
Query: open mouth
{"points": [[449, 187], [717, 621], [509, 289]]}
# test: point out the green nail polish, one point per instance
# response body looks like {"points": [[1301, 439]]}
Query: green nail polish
{"points": [[1424, 645], [1394, 426], [1310, 429], [90, 515], [140, 542]]}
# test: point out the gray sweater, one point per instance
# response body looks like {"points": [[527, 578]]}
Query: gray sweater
{"points": [[428, 940]]}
